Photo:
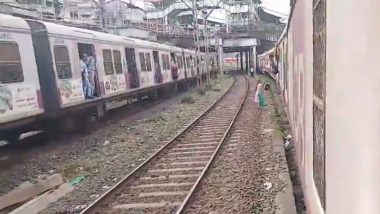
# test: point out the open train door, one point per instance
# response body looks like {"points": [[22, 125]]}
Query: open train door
{"points": [[184, 64], [134, 81], [89, 50], [157, 66]]}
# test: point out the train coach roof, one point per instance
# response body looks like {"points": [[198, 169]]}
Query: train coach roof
{"points": [[62, 30], [56, 29], [267, 52], [154, 45], [169, 47], [8, 21], [189, 51]]}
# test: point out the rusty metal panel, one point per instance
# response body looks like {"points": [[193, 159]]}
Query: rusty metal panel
{"points": [[319, 90]]}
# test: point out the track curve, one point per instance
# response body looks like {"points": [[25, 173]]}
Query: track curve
{"points": [[165, 182]]}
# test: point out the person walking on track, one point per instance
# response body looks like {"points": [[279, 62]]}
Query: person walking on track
{"points": [[259, 95]]}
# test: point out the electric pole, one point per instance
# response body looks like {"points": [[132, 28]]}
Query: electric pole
{"points": [[195, 21], [206, 31]]}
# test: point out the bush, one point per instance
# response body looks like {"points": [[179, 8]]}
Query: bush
{"points": [[188, 100], [208, 87], [201, 91]]}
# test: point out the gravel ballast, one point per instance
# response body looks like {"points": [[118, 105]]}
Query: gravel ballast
{"points": [[108, 154], [247, 174]]}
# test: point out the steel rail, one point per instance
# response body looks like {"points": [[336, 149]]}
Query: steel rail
{"points": [[187, 199], [159, 151]]}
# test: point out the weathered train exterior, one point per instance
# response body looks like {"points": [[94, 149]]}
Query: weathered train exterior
{"points": [[293, 56], [41, 81], [329, 81]]}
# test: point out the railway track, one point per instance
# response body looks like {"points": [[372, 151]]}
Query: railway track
{"points": [[165, 182]]}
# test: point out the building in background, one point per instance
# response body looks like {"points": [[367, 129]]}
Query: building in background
{"points": [[33, 9], [174, 21]]}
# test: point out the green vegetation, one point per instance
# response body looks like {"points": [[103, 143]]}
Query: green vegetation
{"points": [[188, 99]]}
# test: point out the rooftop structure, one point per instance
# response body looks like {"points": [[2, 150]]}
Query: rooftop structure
{"points": [[33, 9]]}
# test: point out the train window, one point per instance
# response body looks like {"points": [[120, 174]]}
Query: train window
{"points": [[165, 61], [168, 61], [10, 63], [117, 61], [188, 62], [172, 58], [179, 60], [179, 66], [142, 61], [148, 64], [62, 62], [107, 61]]}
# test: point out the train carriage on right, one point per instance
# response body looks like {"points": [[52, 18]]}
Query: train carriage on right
{"points": [[290, 65], [329, 84]]}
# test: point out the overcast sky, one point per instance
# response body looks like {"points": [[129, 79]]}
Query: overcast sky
{"points": [[281, 6]]}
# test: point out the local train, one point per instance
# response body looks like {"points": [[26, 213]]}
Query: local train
{"points": [[329, 82], [41, 78], [292, 57]]}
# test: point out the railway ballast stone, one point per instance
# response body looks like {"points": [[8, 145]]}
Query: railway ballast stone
{"points": [[72, 156], [249, 178]]}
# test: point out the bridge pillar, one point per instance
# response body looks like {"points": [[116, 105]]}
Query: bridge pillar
{"points": [[241, 61], [246, 62], [220, 54], [253, 58], [250, 59], [166, 20]]}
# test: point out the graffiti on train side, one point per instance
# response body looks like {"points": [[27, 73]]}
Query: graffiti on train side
{"points": [[17, 98], [114, 83], [298, 106], [71, 91], [6, 99], [5, 36]]}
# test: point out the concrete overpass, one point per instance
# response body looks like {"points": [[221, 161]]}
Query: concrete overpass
{"points": [[246, 47]]}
